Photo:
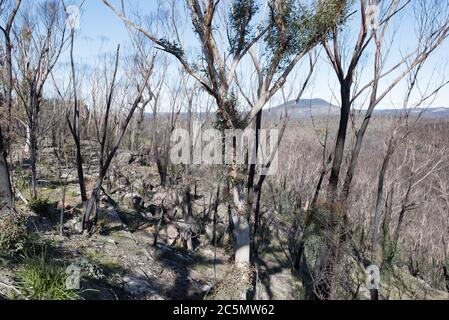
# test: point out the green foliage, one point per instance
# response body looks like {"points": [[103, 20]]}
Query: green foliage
{"points": [[240, 19], [42, 278], [282, 36], [13, 231], [296, 28], [41, 206], [326, 218], [391, 254], [325, 228], [231, 111], [172, 47]]}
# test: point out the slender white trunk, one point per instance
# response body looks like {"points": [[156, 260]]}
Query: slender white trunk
{"points": [[242, 241], [242, 230], [26, 148]]}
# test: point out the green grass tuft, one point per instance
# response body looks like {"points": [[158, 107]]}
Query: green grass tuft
{"points": [[42, 278]]}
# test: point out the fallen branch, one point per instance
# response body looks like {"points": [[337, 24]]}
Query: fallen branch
{"points": [[21, 196], [9, 286]]}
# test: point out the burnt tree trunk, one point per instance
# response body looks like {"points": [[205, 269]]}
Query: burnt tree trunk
{"points": [[91, 207], [327, 257], [75, 127], [33, 143], [340, 143], [446, 277], [6, 195], [9, 72], [378, 210]]}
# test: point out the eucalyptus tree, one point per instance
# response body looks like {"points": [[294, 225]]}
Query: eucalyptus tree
{"points": [[292, 29], [6, 194]]}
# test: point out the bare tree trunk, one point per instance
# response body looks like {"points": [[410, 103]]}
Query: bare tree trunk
{"points": [[138, 132], [446, 277], [6, 196], [188, 191], [9, 72], [378, 210], [355, 156], [401, 218], [334, 178], [254, 239], [27, 146], [91, 207], [250, 186], [241, 231], [9, 87], [242, 260], [75, 126], [33, 159], [327, 256], [33, 145], [61, 214]]}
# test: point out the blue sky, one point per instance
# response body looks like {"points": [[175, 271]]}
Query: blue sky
{"points": [[101, 30]]}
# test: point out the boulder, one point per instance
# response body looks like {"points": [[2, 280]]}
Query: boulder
{"points": [[138, 286], [172, 234], [125, 158], [220, 230], [133, 202]]}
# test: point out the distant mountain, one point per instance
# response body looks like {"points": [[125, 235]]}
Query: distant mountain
{"points": [[439, 112], [318, 108], [306, 108], [303, 108]]}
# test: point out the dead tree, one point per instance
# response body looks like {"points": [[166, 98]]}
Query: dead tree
{"points": [[108, 151], [7, 29], [6, 194], [42, 39], [403, 127], [74, 124], [164, 94]]}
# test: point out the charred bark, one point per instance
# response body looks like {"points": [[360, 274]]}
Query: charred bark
{"points": [[6, 195], [334, 178]]}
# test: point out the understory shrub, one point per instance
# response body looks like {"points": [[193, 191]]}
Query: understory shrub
{"points": [[13, 231], [235, 282], [41, 206]]}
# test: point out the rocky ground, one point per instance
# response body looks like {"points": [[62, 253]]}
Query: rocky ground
{"points": [[121, 260], [119, 264]]}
